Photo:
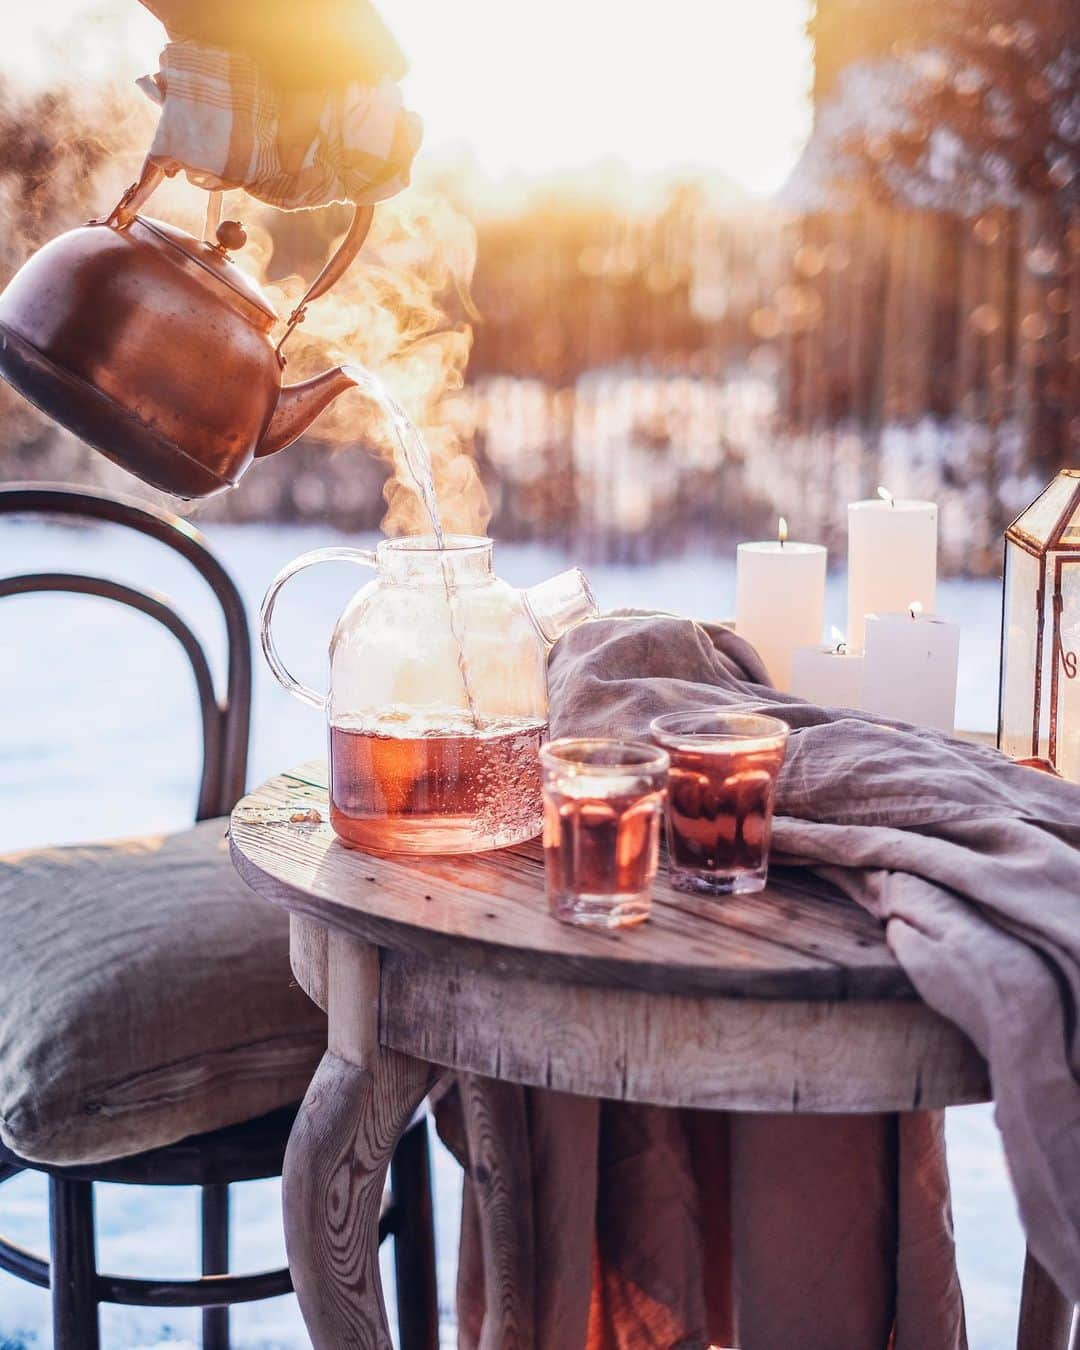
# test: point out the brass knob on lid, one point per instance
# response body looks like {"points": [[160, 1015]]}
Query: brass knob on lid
{"points": [[231, 235]]}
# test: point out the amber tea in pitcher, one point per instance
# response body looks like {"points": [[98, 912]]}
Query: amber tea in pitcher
{"points": [[438, 695], [444, 791]]}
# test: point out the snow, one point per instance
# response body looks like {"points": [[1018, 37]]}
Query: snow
{"points": [[103, 698]]}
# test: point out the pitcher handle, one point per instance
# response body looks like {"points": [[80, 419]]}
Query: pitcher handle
{"points": [[363, 557]]}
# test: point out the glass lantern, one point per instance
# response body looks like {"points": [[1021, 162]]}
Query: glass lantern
{"points": [[1039, 704]]}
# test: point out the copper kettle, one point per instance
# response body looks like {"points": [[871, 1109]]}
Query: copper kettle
{"points": [[156, 349]]}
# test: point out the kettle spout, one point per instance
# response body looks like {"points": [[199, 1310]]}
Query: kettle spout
{"points": [[298, 406], [561, 603]]}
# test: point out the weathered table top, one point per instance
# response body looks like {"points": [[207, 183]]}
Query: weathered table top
{"points": [[797, 939], [784, 1001], [789, 999]]}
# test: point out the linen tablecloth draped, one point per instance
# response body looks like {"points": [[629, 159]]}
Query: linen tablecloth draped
{"points": [[661, 1228]]}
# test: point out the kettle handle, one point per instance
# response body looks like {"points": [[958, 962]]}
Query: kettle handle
{"points": [[126, 209], [363, 557], [335, 267]]}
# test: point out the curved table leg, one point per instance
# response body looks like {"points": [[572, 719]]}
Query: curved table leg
{"points": [[500, 1170], [359, 1103]]}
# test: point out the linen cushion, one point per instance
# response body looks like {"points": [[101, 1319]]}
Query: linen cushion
{"points": [[145, 995]]}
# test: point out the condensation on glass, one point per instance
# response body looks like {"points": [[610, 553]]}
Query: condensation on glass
{"points": [[1039, 707], [438, 700]]}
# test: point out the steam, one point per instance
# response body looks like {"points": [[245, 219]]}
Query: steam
{"points": [[62, 154], [402, 310], [390, 313]]}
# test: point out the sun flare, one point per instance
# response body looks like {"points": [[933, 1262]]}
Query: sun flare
{"points": [[527, 91]]}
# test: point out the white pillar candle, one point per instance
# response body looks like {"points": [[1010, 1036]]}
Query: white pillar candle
{"points": [[830, 675], [910, 669], [892, 559], [780, 600]]}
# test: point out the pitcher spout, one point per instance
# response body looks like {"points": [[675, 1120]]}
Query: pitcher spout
{"points": [[298, 406], [561, 603]]}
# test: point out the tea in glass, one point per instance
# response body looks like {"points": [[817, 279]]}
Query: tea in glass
{"points": [[603, 801], [721, 790], [407, 786]]}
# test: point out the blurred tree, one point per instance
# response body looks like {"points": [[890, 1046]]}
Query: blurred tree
{"points": [[993, 98], [50, 152], [59, 165], [980, 117]]}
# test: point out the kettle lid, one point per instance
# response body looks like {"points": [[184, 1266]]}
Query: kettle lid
{"points": [[213, 258]]}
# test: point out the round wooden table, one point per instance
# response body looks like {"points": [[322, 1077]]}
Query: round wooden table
{"points": [[784, 1001]]}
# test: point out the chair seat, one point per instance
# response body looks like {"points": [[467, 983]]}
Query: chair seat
{"points": [[145, 996]]}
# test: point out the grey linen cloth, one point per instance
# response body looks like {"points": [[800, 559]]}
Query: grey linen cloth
{"points": [[971, 861]]}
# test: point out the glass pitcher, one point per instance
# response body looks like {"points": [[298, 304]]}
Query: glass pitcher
{"points": [[438, 695]]}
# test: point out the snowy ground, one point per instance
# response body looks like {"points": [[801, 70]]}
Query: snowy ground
{"points": [[94, 695]]}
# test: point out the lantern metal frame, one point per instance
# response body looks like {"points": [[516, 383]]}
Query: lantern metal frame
{"points": [[1053, 554]]}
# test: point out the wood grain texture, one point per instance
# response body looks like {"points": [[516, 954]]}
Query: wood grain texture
{"points": [[352, 999], [733, 1054], [798, 939], [357, 1107], [307, 956], [332, 1188], [499, 1168]]}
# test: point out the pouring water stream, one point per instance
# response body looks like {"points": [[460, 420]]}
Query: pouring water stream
{"points": [[418, 462]]}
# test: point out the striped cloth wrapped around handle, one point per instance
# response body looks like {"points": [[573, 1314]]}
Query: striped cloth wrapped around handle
{"points": [[297, 104]]}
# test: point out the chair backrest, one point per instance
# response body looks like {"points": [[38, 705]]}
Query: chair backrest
{"points": [[225, 721]]}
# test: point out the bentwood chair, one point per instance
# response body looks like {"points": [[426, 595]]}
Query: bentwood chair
{"points": [[150, 1031]]}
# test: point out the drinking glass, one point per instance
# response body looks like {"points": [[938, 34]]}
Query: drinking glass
{"points": [[721, 789], [603, 800]]}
